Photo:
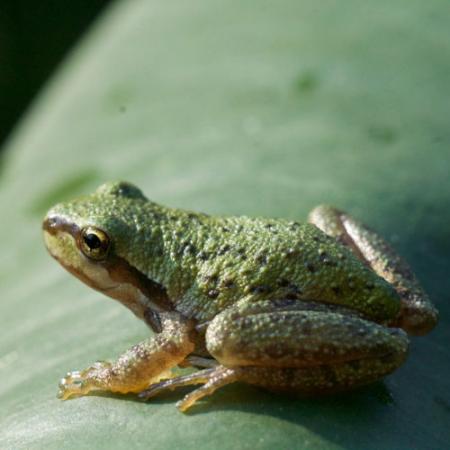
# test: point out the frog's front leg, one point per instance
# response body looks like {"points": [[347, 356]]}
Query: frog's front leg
{"points": [[292, 347], [417, 315], [144, 363]]}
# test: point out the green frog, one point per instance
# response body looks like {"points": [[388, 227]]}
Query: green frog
{"points": [[310, 308]]}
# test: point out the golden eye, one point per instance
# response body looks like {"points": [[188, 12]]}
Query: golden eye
{"points": [[94, 243]]}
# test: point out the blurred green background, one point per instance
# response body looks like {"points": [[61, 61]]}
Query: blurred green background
{"points": [[34, 37], [260, 108]]}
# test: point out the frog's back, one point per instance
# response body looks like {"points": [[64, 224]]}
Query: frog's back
{"points": [[280, 259]]}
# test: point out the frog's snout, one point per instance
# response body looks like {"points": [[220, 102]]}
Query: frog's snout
{"points": [[54, 224], [60, 237], [50, 224]]}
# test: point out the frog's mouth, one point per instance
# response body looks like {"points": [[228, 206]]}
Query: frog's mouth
{"points": [[114, 276]]}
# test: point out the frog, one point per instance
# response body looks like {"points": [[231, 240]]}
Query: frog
{"points": [[307, 308]]}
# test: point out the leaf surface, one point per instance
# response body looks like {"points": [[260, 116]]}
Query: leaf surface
{"points": [[257, 108]]}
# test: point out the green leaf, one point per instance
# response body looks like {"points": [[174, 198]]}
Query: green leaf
{"points": [[257, 108]]}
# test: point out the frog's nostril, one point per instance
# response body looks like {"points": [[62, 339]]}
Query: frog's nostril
{"points": [[54, 224], [49, 223]]}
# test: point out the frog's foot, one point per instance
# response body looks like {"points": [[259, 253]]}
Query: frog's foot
{"points": [[211, 379], [417, 315], [80, 382], [144, 363]]}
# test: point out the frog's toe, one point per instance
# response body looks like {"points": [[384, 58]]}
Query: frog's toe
{"points": [[199, 377], [72, 384], [78, 382], [155, 389], [211, 379]]}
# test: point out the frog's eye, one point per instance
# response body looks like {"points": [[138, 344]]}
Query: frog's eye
{"points": [[94, 243]]}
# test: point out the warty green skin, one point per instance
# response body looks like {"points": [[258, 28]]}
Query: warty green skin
{"points": [[208, 263], [270, 302]]}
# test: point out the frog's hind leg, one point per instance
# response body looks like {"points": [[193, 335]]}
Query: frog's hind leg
{"points": [[417, 315], [211, 379], [287, 346]]}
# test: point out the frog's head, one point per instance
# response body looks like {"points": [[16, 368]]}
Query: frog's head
{"points": [[99, 238]]}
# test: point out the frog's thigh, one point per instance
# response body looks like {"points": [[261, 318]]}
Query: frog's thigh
{"points": [[320, 350], [418, 315], [134, 370]]}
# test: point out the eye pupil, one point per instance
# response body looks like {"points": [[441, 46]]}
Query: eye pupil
{"points": [[92, 241]]}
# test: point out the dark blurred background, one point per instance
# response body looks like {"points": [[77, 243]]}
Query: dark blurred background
{"points": [[35, 35]]}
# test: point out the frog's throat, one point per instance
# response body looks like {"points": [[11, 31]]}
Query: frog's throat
{"points": [[114, 277]]}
